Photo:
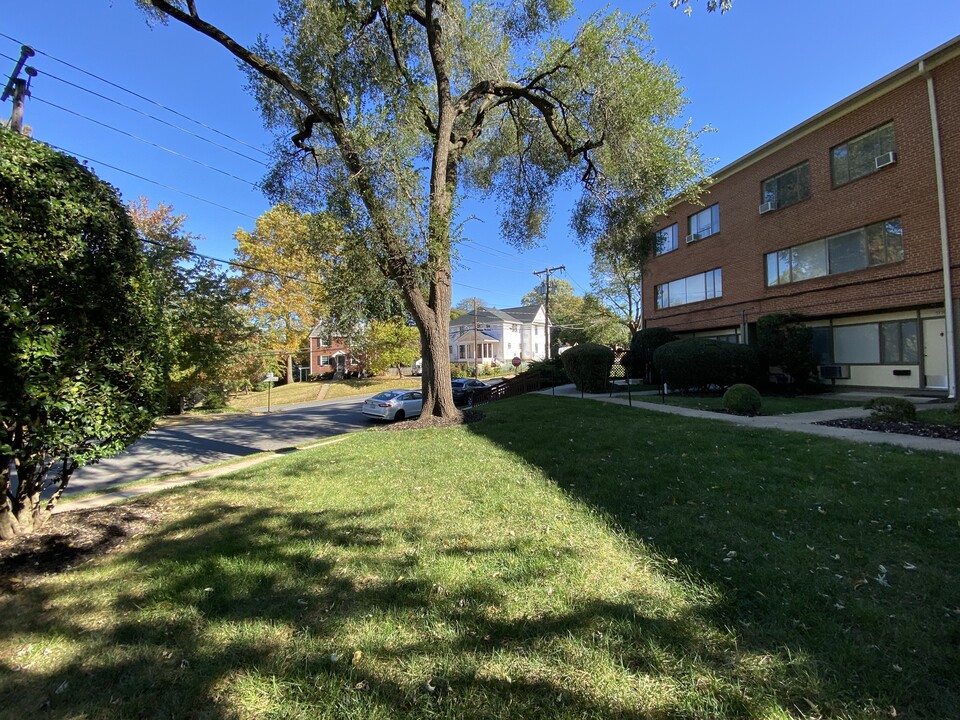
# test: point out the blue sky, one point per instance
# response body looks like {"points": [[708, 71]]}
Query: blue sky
{"points": [[750, 75]]}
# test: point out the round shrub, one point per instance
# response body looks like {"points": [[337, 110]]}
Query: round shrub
{"points": [[588, 366], [697, 363], [742, 399], [893, 409]]}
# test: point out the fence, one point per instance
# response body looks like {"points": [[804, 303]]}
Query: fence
{"points": [[508, 388]]}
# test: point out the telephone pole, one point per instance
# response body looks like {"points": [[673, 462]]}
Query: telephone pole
{"points": [[19, 88], [476, 373], [546, 311]]}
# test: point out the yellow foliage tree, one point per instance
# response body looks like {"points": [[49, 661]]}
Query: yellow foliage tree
{"points": [[280, 279]]}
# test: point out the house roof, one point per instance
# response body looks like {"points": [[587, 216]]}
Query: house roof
{"points": [[523, 314], [467, 337]]}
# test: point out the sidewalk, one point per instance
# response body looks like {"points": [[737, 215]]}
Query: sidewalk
{"points": [[109, 497], [796, 422]]}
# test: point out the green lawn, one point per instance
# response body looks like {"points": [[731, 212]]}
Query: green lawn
{"points": [[558, 559], [308, 391], [772, 404]]}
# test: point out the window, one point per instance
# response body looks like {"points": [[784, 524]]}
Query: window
{"points": [[887, 343], [876, 244], [463, 352], [536, 331], [321, 343], [695, 288], [667, 239], [536, 347], [862, 155], [704, 223], [324, 360], [787, 188], [898, 342]]}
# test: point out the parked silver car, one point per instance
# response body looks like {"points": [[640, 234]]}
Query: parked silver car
{"points": [[394, 405]]}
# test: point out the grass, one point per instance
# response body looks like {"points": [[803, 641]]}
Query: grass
{"points": [[558, 559], [370, 386], [938, 416], [309, 391], [772, 404]]}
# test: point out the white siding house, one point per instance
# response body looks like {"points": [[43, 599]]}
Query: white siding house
{"points": [[497, 336]]}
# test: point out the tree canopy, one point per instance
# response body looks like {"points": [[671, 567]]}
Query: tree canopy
{"points": [[80, 336], [206, 333], [280, 280], [395, 111]]}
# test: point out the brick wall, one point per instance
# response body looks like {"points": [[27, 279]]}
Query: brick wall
{"points": [[906, 189]]}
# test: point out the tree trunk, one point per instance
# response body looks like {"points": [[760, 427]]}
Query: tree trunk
{"points": [[289, 368], [435, 380]]}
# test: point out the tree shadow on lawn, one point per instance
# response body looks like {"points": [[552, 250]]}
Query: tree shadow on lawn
{"points": [[837, 560], [238, 611]]}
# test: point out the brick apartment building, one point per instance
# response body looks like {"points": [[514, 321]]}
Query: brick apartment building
{"points": [[852, 219]]}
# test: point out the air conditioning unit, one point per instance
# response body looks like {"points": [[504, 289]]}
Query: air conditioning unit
{"points": [[693, 237], [767, 207], [835, 372], [886, 159]]}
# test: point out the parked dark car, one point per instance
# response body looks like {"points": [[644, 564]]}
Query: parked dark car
{"points": [[464, 389]]}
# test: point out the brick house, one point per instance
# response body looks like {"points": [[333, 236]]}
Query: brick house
{"points": [[851, 218], [330, 353]]}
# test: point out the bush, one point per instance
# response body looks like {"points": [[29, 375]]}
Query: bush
{"points": [[642, 346], [894, 409], [588, 366], [551, 371], [460, 371], [81, 339], [696, 363], [785, 342], [742, 399]]}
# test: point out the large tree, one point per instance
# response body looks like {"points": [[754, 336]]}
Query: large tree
{"points": [[280, 280], [620, 259], [80, 337], [394, 109], [206, 333]]}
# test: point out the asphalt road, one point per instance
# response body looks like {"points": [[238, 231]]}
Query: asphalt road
{"points": [[178, 448]]}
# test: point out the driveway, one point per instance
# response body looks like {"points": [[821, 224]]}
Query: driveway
{"points": [[178, 448]]}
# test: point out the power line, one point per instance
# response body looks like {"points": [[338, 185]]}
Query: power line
{"points": [[145, 141], [232, 263], [154, 182], [142, 97]]}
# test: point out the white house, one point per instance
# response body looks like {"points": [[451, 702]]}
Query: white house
{"points": [[497, 336]]}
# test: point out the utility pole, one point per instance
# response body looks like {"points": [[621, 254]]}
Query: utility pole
{"points": [[19, 88], [547, 272], [476, 374]]}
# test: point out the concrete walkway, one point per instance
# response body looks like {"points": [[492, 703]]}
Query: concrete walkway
{"points": [[795, 422]]}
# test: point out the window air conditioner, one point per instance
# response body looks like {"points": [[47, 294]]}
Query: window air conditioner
{"points": [[835, 372], [767, 207], [693, 237], [886, 159]]}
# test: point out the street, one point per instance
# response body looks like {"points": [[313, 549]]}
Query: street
{"points": [[179, 448]]}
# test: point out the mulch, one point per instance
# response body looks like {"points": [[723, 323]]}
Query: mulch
{"points": [[943, 432], [69, 539], [464, 417]]}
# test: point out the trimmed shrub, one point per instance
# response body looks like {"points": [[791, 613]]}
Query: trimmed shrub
{"points": [[642, 346], [893, 409], [588, 366], [551, 371], [742, 399], [698, 364]]}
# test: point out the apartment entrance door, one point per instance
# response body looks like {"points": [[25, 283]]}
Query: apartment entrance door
{"points": [[935, 353]]}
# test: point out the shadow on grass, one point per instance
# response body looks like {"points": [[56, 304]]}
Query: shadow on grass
{"points": [[836, 561], [237, 611], [240, 610]]}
